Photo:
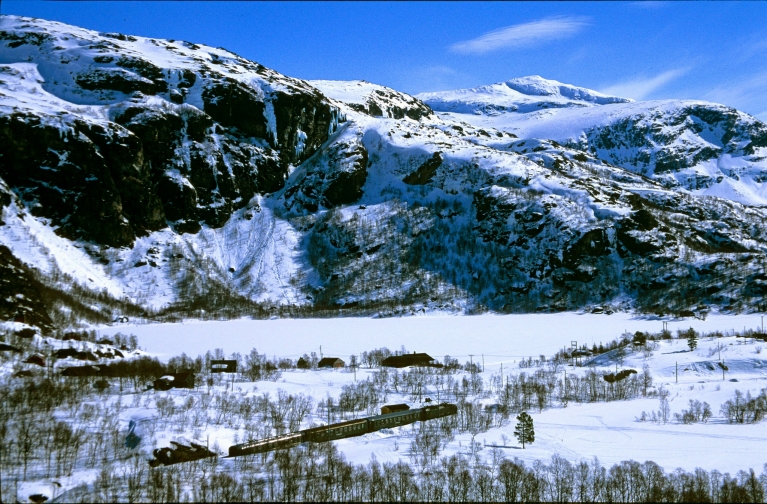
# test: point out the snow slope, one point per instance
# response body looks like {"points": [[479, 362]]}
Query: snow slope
{"points": [[699, 146], [522, 95], [213, 183]]}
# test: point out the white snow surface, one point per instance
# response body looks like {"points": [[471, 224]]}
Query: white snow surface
{"points": [[609, 431], [523, 94], [355, 91], [569, 125]]}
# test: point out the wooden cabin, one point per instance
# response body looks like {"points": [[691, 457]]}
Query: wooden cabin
{"points": [[405, 360], [393, 408], [331, 362]]}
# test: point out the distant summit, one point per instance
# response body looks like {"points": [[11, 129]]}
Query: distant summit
{"points": [[160, 179], [523, 94]]}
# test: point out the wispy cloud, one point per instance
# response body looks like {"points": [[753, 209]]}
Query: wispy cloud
{"points": [[523, 35], [643, 87]]}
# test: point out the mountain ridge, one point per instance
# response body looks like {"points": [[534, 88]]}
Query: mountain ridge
{"points": [[184, 180]]}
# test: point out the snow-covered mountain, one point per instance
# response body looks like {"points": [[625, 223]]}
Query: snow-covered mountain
{"points": [[373, 99], [522, 95], [162, 178], [702, 147]]}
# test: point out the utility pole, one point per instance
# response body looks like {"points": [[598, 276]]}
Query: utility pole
{"points": [[483, 363], [676, 372], [573, 351], [471, 358]]}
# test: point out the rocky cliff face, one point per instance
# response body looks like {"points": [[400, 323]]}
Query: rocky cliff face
{"points": [[696, 146], [137, 133], [161, 177], [670, 144]]}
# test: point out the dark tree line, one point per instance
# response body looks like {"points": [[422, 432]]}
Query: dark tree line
{"points": [[319, 473]]}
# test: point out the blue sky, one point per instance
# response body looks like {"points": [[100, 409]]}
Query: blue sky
{"points": [[714, 51]]}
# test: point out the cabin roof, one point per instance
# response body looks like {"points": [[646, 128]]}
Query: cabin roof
{"points": [[413, 359], [329, 361]]}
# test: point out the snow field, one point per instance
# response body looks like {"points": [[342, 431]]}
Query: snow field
{"points": [[609, 431], [501, 338]]}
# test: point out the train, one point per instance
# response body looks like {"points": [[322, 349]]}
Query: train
{"points": [[343, 430]]}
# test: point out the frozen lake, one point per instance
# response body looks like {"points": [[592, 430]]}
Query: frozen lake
{"points": [[609, 431], [501, 338]]}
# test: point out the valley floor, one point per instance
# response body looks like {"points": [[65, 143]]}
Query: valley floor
{"points": [[610, 431]]}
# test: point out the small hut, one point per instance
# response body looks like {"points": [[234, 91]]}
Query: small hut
{"points": [[413, 359], [36, 359], [331, 362], [393, 408], [175, 380], [9, 348]]}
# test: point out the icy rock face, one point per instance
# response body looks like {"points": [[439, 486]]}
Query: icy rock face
{"points": [[373, 99], [20, 296], [670, 144], [335, 176], [179, 178], [112, 136]]}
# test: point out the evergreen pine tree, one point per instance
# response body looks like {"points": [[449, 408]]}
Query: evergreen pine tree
{"points": [[524, 430], [692, 339]]}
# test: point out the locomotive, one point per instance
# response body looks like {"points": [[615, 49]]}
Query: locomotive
{"points": [[346, 429]]}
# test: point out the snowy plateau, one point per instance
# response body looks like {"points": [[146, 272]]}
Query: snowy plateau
{"points": [[595, 261]]}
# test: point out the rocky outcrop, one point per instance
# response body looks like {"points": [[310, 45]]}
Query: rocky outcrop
{"points": [[424, 173], [334, 177], [191, 136], [374, 100], [664, 143], [388, 103], [21, 295], [65, 176]]}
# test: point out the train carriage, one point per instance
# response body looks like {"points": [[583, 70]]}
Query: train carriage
{"points": [[390, 420], [438, 411], [346, 429], [266, 445], [336, 431]]}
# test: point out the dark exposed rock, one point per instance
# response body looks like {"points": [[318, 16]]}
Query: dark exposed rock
{"points": [[157, 162], [387, 102], [334, 177], [424, 173], [21, 296], [303, 123], [79, 193], [592, 243], [116, 79], [234, 105], [346, 186]]}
